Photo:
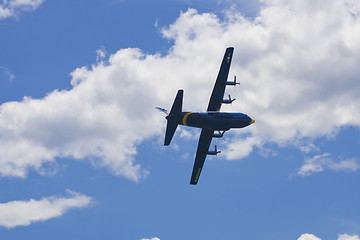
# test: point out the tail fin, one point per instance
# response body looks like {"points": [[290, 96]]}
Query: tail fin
{"points": [[177, 105], [171, 122]]}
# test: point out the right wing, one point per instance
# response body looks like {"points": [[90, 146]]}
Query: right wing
{"points": [[203, 147], [220, 84]]}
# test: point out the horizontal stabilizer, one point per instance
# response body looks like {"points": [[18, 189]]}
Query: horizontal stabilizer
{"points": [[170, 130], [163, 110], [171, 124]]}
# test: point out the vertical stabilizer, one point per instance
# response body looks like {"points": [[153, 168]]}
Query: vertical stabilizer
{"points": [[171, 119], [177, 105]]}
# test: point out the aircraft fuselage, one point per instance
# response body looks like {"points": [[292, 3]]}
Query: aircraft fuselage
{"points": [[217, 121]]}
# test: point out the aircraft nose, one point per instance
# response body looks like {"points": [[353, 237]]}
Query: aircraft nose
{"points": [[252, 121]]}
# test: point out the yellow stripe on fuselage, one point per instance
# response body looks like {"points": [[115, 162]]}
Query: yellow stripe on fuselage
{"points": [[185, 118]]}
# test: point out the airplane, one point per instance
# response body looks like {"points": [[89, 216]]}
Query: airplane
{"points": [[212, 122]]}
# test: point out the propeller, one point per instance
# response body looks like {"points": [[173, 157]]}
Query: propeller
{"points": [[217, 150], [231, 99], [235, 81]]}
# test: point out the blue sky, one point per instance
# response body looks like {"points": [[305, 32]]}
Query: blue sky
{"points": [[81, 146]]}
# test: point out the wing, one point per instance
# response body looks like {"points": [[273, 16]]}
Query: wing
{"points": [[203, 147], [220, 84]]}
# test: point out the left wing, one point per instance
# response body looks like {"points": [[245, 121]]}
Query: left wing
{"points": [[220, 84], [203, 147]]}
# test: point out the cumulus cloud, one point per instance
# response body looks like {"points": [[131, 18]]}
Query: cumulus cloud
{"points": [[348, 237], [240, 148], [297, 62], [9, 8], [298, 74], [323, 161], [5, 73], [100, 54], [24, 213], [5, 12], [307, 236], [155, 238]]}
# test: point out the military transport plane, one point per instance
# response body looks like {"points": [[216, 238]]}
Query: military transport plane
{"points": [[213, 122]]}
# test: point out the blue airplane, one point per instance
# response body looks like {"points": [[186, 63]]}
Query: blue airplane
{"points": [[212, 122]]}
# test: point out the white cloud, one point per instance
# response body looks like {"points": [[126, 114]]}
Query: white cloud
{"points": [[13, 7], [348, 237], [320, 162], [155, 238], [5, 73], [344, 165], [100, 54], [297, 62], [24, 213], [240, 148], [26, 3], [307, 236], [298, 82], [5, 12]]}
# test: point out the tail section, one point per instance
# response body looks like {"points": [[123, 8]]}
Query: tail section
{"points": [[171, 119]]}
